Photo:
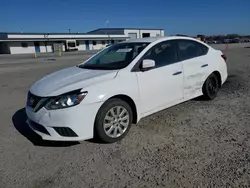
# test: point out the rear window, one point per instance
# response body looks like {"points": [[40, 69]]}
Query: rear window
{"points": [[190, 49], [203, 48], [71, 44]]}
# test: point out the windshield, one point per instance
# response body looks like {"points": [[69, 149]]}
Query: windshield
{"points": [[71, 44], [116, 56]]}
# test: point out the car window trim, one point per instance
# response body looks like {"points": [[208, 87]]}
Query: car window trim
{"points": [[196, 44], [136, 67]]}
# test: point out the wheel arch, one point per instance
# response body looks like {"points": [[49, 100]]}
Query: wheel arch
{"points": [[218, 75], [130, 102]]}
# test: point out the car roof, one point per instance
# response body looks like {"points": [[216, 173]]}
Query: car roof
{"points": [[153, 39]]}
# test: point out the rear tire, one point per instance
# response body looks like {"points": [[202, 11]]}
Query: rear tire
{"points": [[113, 121], [211, 87]]}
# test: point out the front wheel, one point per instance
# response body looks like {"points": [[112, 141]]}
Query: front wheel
{"points": [[113, 120], [211, 87]]}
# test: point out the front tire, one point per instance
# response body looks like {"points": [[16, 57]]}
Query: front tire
{"points": [[113, 120], [211, 87]]}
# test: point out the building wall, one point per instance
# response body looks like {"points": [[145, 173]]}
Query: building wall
{"points": [[49, 47], [16, 48], [153, 33], [162, 33], [45, 46], [42, 47], [127, 31], [82, 45], [99, 45]]}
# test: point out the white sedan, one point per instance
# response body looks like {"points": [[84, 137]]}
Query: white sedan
{"points": [[121, 84]]}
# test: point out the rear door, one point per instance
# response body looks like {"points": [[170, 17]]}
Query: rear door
{"points": [[192, 54]]}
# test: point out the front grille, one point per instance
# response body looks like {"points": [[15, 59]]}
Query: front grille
{"points": [[65, 131], [35, 102], [38, 127]]}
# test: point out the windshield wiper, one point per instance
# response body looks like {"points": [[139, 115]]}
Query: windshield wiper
{"points": [[96, 67], [89, 67]]}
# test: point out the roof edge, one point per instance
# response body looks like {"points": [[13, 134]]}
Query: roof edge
{"points": [[124, 28], [29, 33]]}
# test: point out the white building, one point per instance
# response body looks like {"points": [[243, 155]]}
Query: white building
{"points": [[130, 32], [21, 43]]}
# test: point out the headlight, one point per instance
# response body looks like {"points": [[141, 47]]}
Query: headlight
{"points": [[66, 100]]}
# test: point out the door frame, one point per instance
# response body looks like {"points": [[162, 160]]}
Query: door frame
{"points": [[137, 69], [87, 44], [37, 47]]}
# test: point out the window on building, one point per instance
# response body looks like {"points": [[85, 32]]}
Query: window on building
{"points": [[77, 43], [144, 35], [71, 44], [24, 45], [94, 42], [103, 42], [132, 35]]}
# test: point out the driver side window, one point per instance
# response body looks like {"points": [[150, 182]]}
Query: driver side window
{"points": [[163, 54]]}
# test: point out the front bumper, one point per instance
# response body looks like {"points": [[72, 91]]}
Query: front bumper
{"points": [[69, 124]]}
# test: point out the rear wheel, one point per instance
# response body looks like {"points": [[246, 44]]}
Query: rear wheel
{"points": [[211, 87], [113, 120]]}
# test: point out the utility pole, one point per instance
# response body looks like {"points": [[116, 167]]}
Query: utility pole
{"points": [[107, 26]]}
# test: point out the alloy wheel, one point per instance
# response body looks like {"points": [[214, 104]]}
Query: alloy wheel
{"points": [[116, 121]]}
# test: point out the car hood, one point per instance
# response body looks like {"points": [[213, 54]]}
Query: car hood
{"points": [[69, 79]]}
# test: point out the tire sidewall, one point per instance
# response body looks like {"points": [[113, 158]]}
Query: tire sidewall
{"points": [[206, 89], [98, 126]]}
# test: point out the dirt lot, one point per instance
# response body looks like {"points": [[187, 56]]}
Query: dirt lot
{"points": [[194, 144]]}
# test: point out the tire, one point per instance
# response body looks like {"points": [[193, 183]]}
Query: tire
{"points": [[211, 87], [107, 130]]}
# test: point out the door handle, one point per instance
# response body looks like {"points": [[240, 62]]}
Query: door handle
{"points": [[177, 73], [205, 65]]}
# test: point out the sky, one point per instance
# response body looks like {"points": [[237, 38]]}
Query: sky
{"points": [[190, 17]]}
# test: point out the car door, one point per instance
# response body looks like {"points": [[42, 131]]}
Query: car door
{"points": [[163, 84], [195, 66]]}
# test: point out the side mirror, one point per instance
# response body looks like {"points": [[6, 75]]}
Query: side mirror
{"points": [[147, 64]]}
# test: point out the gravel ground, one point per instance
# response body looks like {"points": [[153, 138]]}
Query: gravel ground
{"points": [[194, 144]]}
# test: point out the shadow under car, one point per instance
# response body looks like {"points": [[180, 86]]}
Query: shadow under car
{"points": [[19, 122]]}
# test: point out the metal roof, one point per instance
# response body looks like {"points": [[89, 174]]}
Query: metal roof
{"points": [[116, 30], [147, 39], [153, 39], [38, 33], [60, 39], [29, 33]]}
